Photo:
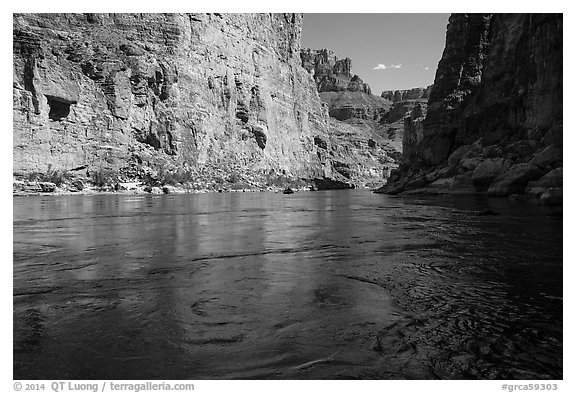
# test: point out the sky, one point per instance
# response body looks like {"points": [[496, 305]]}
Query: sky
{"points": [[388, 51]]}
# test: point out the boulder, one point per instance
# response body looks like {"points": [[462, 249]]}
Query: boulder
{"points": [[469, 164], [47, 186], [458, 154], [552, 197], [331, 184], [550, 157], [456, 185], [521, 150], [492, 151], [418, 182], [552, 179], [514, 180], [78, 184], [168, 189], [486, 172]]}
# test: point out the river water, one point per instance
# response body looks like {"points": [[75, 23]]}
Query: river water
{"points": [[314, 285]]}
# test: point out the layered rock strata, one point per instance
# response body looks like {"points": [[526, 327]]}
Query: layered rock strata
{"points": [[331, 73], [393, 123], [346, 95], [494, 118], [418, 93], [212, 100]]}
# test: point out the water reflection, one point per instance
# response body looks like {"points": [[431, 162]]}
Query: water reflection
{"points": [[258, 285]]}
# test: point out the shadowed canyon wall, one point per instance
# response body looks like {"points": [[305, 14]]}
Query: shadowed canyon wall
{"points": [[494, 116]]}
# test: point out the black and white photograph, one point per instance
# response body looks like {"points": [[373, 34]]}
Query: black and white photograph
{"points": [[287, 196]]}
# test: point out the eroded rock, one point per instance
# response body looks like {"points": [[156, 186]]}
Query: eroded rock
{"points": [[552, 179], [514, 180], [486, 172], [549, 158]]}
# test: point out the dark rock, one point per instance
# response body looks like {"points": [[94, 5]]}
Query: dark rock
{"points": [[377, 345], [260, 136], [46, 186], [552, 179], [550, 157], [469, 164], [519, 151], [514, 180], [288, 191], [458, 154], [413, 133], [554, 137], [552, 197], [343, 169], [499, 80], [331, 184], [321, 143], [168, 189], [535, 134], [486, 172], [492, 151], [419, 182], [77, 184]]}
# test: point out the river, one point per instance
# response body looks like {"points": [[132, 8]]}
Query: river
{"points": [[314, 285]]}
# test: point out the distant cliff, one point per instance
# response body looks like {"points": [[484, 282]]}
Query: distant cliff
{"points": [[403, 95], [216, 100], [331, 73], [494, 118], [346, 95]]}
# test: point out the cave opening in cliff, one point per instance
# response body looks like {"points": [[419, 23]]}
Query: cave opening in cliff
{"points": [[59, 108]]}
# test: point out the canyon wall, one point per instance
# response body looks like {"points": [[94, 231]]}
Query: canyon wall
{"points": [[366, 153], [494, 116], [410, 94], [347, 96], [217, 95]]}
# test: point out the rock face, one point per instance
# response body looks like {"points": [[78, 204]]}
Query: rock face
{"points": [[346, 95], [413, 132], [400, 122], [356, 117], [331, 73], [210, 96], [495, 106], [417, 93]]}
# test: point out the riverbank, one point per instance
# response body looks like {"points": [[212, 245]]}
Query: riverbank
{"points": [[77, 187]]}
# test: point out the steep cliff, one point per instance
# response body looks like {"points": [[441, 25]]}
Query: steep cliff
{"points": [[331, 73], [346, 95], [212, 99], [364, 153], [494, 118], [392, 123]]}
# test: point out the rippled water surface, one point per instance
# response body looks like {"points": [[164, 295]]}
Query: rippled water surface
{"points": [[321, 285]]}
